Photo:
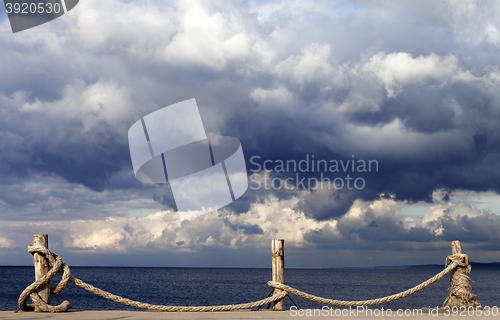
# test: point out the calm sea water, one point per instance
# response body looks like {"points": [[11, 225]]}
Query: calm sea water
{"points": [[216, 286]]}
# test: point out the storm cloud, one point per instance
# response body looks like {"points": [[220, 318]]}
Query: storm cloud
{"points": [[413, 86]]}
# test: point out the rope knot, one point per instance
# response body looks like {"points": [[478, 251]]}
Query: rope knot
{"points": [[31, 291], [459, 293], [460, 259]]}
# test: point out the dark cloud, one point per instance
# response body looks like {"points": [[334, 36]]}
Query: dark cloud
{"points": [[403, 83], [389, 230], [326, 202], [247, 229], [163, 195], [483, 228]]}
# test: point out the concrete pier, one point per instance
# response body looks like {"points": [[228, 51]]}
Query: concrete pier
{"points": [[245, 314]]}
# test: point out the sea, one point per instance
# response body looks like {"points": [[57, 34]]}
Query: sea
{"points": [[219, 286]]}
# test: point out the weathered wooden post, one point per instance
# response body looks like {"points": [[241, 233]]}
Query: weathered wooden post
{"points": [[459, 293], [41, 267], [278, 251], [456, 247]]}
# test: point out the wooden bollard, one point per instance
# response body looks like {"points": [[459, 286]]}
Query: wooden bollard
{"points": [[278, 250], [41, 266], [456, 247], [460, 291]]}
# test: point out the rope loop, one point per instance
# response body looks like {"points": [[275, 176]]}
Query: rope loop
{"points": [[459, 292], [31, 291], [461, 260]]}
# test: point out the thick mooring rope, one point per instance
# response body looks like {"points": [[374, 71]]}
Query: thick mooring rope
{"points": [[456, 260], [459, 293], [58, 266]]}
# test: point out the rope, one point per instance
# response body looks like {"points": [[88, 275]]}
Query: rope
{"points": [[457, 260], [459, 293], [58, 266]]}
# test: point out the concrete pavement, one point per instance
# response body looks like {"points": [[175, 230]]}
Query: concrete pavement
{"points": [[245, 314]]}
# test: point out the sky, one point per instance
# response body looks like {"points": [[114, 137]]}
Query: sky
{"points": [[411, 88]]}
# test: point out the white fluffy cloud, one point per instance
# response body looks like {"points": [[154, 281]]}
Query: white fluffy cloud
{"points": [[208, 39], [400, 68], [364, 228], [271, 219]]}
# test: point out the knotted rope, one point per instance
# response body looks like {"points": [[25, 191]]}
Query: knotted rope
{"points": [[58, 266], [459, 293]]}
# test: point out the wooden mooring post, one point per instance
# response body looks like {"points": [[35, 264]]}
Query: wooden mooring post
{"points": [[41, 267], [456, 247], [460, 291], [278, 251]]}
